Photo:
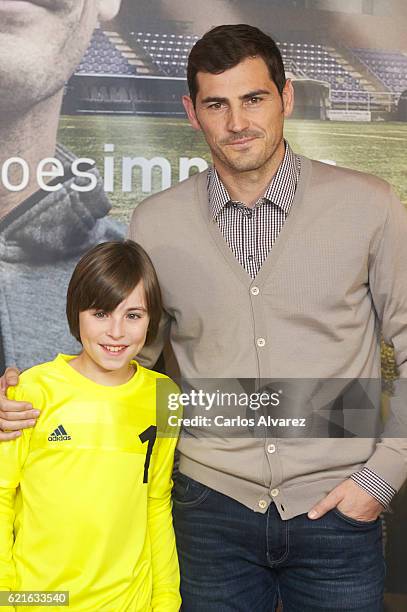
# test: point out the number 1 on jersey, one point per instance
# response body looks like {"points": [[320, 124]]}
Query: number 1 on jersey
{"points": [[148, 435]]}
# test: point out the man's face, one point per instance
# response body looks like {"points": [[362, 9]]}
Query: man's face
{"points": [[241, 114], [41, 43]]}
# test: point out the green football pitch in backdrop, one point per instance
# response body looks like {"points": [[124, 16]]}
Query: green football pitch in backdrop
{"points": [[378, 148]]}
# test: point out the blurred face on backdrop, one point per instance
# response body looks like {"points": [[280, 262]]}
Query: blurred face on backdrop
{"points": [[41, 44], [241, 114]]}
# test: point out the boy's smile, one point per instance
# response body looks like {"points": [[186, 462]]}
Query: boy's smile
{"points": [[114, 349]]}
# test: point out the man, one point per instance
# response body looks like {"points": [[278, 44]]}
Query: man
{"points": [[256, 518], [46, 223]]}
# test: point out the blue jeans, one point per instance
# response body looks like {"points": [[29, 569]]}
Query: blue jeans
{"points": [[235, 560]]}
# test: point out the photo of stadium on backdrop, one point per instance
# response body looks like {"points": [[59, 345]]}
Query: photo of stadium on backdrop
{"points": [[123, 105]]}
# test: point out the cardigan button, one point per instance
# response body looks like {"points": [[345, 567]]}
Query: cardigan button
{"points": [[261, 342], [255, 291]]}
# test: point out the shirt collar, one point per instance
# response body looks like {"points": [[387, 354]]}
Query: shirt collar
{"points": [[280, 191]]}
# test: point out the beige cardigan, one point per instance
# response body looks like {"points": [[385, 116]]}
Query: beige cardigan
{"points": [[337, 269]]}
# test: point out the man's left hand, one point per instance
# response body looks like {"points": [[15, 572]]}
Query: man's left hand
{"points": [[351, 500]]}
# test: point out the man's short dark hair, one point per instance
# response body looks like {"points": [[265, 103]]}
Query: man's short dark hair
{"points": [[105, 276], [226, 46]]}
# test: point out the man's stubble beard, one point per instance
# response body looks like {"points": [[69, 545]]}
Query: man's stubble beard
{"points": [[21, 88], [241, 164], [33, 70]]}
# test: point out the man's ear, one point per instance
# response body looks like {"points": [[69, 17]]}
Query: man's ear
{"points": [[190, 111], [288, 98], [107, 9]]}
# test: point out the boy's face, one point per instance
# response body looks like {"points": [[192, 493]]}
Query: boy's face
{"points": [[110, 340]]}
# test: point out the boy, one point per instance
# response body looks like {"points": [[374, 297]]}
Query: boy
{"points": [[88, 489]]}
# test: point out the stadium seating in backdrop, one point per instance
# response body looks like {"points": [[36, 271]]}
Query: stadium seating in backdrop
{"points": [[103, 57], [169, 55], [170, 52], [354, 75], [315, 62], [389, 67]]}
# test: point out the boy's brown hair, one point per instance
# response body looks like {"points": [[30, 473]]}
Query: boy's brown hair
{"points": [[105, 276]]}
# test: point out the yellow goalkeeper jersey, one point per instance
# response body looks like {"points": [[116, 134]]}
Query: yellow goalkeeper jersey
{"points": [[85, 502]]}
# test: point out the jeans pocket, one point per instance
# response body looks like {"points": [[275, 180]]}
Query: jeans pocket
{"points": [[188, 492], [355, 522]]}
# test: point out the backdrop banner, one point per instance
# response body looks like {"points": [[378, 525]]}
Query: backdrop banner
{"points": [[91, 123]]}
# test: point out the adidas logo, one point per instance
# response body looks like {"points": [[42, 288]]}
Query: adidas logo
{"points": [[58, 435]]}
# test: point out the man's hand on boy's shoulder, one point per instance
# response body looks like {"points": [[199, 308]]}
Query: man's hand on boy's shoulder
{"points": [[14, 416]]}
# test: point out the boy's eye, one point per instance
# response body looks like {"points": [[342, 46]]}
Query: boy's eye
{"points": [[99, 314], [133, 315]]}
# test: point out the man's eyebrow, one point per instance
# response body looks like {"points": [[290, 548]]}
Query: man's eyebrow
{"points": [[247, 96], [213, 99], [253, 94]]}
